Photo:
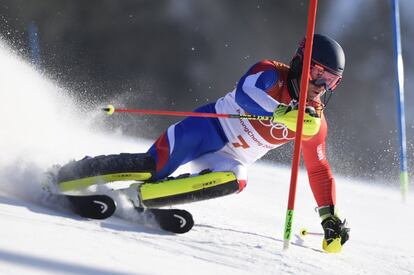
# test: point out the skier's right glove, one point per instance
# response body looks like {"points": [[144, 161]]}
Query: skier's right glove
{"points": [[336, 232], [288, 116]]}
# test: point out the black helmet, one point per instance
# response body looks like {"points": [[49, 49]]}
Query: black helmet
{"points": [[325, 52]]}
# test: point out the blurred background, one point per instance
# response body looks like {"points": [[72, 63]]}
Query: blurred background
{"points": [[180, 54]]}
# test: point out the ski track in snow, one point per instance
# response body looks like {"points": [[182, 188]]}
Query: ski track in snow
{"points": [[238, 234]]}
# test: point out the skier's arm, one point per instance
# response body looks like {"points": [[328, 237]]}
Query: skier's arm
{"points": [[252, 89], [320, 175]]}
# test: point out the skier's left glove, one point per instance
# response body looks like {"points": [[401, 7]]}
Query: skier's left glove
{"points": [[336, 232], [288, 115]]}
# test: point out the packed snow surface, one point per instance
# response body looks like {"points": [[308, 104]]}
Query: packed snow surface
{"points": [[237, 234]]}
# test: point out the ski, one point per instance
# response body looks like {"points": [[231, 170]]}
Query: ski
{"points": [[102, 207], [78, 175], [92, 206], [173, 220]]}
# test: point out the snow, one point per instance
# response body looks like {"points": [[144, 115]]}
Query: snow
{"points": [[237, 234]]}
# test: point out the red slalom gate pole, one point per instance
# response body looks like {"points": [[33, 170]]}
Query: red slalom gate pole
{"points": [[298, 138]]}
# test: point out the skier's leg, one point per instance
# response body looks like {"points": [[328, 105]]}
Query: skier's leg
{"points": [[78, 175], [186, 141], [187, 188], [221, 161], [181, 143], [221, 175]]}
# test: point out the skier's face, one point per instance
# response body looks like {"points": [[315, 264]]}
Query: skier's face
{"points": [[321, 79], [322, 76], [315, 92]]}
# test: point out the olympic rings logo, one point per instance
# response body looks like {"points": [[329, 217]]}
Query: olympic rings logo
{"points": [[275, 128]]}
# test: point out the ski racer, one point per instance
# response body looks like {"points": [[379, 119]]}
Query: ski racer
{"points": [[222, 148], [268, 88]]}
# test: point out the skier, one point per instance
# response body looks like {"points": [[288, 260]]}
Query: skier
{"points": [[221, 148], [268, 88]]}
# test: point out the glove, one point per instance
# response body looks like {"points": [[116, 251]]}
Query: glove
{"points": [[336, 232], [288, 115], [311, 111], [282, 109]]}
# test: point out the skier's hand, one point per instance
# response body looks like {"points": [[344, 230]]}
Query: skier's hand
{"points": [[281, 110], [311, 111], [288, 114]]}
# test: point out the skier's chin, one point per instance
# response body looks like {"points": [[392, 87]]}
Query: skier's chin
{"points": [[314, 95]]}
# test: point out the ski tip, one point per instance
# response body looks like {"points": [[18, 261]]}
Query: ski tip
{"points": [[110, 109], [97, 207], [177, 221]]}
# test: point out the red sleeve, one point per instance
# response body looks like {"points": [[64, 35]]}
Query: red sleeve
{"points": [[319, 172]]}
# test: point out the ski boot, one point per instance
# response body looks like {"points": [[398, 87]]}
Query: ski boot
{"points": [[336, 232]]}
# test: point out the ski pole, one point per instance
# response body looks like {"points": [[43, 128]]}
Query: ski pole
{"points": [[304, 232], [110, 109]]}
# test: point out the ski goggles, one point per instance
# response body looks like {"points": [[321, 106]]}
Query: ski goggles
{"points": [[321, 76]]}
